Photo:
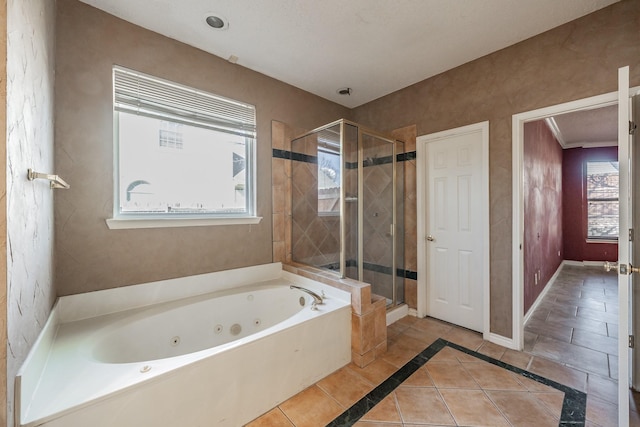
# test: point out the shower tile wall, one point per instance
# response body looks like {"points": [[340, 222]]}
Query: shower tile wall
{"points": [[282, 170], [315, 239]]}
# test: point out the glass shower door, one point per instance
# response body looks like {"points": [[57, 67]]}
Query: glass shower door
{"points": [[378, 216]]}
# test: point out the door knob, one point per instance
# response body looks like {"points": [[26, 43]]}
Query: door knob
{"points": [[430, 238], [623, 269]]}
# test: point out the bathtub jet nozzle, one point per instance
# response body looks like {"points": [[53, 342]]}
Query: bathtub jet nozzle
{"points": [[317, 299]]}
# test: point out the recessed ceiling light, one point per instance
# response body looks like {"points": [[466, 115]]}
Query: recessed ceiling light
{"points": [[216, 21], [344, 91]]}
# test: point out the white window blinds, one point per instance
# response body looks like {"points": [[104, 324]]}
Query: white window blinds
{"points": [[141, 94]]}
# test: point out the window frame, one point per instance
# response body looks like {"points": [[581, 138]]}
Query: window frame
{"points": [[123, 220], [590, 238]]}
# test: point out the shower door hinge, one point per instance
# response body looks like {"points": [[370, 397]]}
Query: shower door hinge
{"points": [[631, 234], [632, 341], [632, 127]]}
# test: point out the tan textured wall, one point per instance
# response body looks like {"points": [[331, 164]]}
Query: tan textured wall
{"points": [[30, 131], [574, 61], [3, 214], [90, 256]]}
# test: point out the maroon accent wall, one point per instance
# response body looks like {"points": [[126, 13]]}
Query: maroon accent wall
{"points": [[574, 218], [543, 207]]}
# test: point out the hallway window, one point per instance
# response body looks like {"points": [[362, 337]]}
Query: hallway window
{"points": [[602, 200], [190, 153]]}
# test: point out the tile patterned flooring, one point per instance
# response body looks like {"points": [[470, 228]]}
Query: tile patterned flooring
{"points": [[570, 339]]}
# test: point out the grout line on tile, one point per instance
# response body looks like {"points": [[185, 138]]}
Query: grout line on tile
{"points": [[447, 406], [286, 416], [497, 407]]}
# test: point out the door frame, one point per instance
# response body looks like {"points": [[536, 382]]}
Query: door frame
{"points": [[518, 121], [422, 217]]}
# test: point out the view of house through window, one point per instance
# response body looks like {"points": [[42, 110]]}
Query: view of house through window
{"points": [[181, 152], [602, 200], [185, 170], [328, 181]]}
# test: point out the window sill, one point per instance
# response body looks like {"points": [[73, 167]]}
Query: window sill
{"points": [[610, 241], [127, 223]]}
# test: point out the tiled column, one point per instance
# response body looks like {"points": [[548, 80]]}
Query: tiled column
{"points": [[369, 332], [281, 135]]}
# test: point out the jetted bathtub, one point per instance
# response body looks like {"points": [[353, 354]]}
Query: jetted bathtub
{"points": [[213, 349]]}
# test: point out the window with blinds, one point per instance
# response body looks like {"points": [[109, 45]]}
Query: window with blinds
{"points": [[181, 152], [602, 200]]}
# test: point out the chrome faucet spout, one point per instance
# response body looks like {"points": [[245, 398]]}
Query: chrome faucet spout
{"points": [[317, 299]]}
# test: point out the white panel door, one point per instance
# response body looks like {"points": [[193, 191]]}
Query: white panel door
{"points": [[455, 229]]}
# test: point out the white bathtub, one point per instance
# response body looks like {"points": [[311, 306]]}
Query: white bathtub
{"points": [[214, 349]]}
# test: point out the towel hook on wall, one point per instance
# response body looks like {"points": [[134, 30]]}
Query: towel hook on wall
{"points": [[56, 181]]}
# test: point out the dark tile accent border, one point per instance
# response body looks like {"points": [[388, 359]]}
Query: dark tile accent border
{"points": [[351, 165], [290, 155], [400, 272], [281, 154], [409, 274], [405, 157], [573, 408]]}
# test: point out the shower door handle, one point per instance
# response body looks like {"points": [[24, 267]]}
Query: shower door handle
{"points": [[430, 238]]}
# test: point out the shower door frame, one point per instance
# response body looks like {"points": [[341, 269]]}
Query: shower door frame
{"points": [[394, 220]]}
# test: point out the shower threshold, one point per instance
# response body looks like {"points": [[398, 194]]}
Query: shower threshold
{"points": [[396, 313]]}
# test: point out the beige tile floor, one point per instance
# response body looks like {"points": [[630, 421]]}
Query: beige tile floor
{"points": [[454, 388]]}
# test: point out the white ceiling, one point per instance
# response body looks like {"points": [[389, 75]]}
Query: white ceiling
{"points": [[587, 128], [374, 47]]}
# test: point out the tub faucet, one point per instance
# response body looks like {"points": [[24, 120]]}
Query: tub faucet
{"points": [[317, 299]]}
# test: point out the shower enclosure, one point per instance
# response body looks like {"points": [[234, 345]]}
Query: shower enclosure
{"points": [[347, 205]]}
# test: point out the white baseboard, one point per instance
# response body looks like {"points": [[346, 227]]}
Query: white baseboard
{"points": [[583, 263], [488, 336], [500, 340], [538, 300], [593, 263]]}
